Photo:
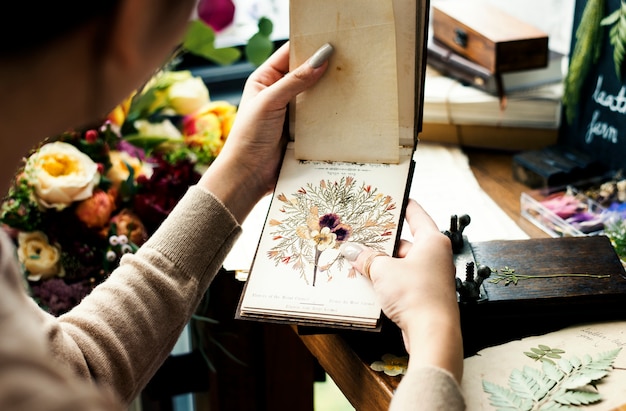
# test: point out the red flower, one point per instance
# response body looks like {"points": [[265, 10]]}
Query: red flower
{"points": [[91, 136], [218, 14]]}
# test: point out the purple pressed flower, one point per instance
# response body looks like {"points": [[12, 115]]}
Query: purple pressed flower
{"points": [[218, 14], [329, 220], [342, 231]]}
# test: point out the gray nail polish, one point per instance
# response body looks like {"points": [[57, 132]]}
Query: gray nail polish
{"points": [[351, 251], [321, 55]]}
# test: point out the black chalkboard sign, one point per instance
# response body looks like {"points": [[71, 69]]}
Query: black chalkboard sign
{"points": [[598, 126]]}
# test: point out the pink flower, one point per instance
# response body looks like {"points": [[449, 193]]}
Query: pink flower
{"points": [[218, 14]]}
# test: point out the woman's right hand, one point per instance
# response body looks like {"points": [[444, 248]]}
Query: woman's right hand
{"points": [[417, 291]]}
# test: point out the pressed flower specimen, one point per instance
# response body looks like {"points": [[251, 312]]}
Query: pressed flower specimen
{"points": [[318, 218]]}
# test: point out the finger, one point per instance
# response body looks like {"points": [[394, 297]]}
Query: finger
{"points": [[363, 258], [404, 248], [418, 219], [283, 90]]}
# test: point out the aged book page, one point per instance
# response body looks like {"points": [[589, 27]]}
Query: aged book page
{"points": [[298, 273], [352, 113]]}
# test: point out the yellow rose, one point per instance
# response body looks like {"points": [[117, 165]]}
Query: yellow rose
{"points": [[187, 96], [61, 174], [40, 259], [120, 163], [209, 126]]}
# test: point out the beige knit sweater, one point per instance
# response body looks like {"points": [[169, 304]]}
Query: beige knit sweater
{"points": [[100, 355]]}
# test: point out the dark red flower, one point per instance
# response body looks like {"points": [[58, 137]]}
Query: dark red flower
{"points": [[157, 196], [218, 14]]}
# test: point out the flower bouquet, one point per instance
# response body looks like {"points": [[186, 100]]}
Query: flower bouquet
{"points": [[84, 198]]}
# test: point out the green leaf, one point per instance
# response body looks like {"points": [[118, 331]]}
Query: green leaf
{"points": [[617, 36], [565, 365], [260, 46], [146, 142], [552, 371], [200, 40], [265, 26], [578, 398], [532, 355], [505, 399], [524, 385], [554, 387], [610, 19], [585, 52]]}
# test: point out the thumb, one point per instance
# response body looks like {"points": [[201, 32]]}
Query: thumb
{"points": [[364, 259], [301, 78]]}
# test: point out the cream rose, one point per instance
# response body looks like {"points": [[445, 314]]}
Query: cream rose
{"points": [[163, 129], [187, 96], [40, 259], [61, 174]]}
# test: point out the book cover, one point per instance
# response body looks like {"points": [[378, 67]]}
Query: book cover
{"points": [[347, 173]]}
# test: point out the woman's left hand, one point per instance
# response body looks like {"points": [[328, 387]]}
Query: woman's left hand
{"points": [[248, 165]]}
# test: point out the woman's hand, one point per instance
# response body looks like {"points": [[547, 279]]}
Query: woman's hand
{"points": [[248, 165], [418, 291]]}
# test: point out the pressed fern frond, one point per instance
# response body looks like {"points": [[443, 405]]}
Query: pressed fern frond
{"points": [[586, 52], [566, 384], [617, 36]]}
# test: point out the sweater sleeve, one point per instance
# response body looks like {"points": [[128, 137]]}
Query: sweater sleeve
{"points": [[122, 332], [427, 388]]}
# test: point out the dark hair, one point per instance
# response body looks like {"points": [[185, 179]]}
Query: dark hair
{"points": [[28, 25]]}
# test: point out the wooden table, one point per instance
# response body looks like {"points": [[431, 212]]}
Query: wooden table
{"points": [[346, 356], [281, 365]]}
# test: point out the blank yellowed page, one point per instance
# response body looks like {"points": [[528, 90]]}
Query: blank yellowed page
{"points": [[351, 114]]}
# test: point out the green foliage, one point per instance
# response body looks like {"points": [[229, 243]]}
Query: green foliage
{"points": [[20, 210], [564, 384], [260, 46], [200, 41], [544, 353], [586, 52], [617, 234], [617, 36]]}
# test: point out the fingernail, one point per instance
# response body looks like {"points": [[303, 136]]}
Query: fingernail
{"points": [[321, 55], [351, 251]]}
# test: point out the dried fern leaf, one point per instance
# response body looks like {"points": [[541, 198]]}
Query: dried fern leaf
{"points": [[504, 399], [569, 384]]}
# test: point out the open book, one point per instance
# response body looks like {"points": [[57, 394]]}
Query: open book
{"points": [[347, 172]]}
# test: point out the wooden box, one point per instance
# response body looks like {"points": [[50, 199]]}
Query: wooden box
{"points": [[489, 36]]}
